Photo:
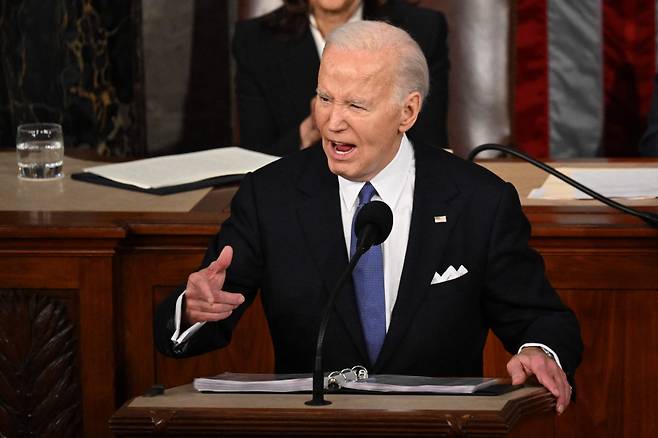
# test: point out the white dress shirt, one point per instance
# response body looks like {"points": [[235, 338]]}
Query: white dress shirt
{"points": [[395, 186]]}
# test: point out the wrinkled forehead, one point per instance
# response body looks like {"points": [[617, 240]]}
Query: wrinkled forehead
{"points": [[333, 54], [355, 67]]}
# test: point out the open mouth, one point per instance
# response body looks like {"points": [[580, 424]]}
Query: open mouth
{"points": [[342, 148]]}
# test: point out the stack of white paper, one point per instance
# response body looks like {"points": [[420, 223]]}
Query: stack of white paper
{"points": [[433, 385], [235, 382], [173, 170], [611, 182], [238, 382]]}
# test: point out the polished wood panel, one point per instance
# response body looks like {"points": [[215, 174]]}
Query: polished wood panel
{"points": [[74, 267], [607, 274], [181, 411], [611, 282], [38, 366]]}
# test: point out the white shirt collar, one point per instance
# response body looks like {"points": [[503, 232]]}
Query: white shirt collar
{"points": [[388, 182], [315, 31]]}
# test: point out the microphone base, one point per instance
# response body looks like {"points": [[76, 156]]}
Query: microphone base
{"points": [[317, 401]]}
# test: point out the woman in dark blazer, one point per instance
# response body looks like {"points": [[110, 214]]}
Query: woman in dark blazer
{"points": [[277, 66]]}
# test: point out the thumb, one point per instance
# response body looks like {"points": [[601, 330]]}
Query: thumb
{"points": [[223, 261]]}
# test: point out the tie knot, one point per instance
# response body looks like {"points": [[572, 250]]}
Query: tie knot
{"points": [[366, 193]]}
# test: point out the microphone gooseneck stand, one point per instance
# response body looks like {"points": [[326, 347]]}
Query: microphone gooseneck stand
{"points": [[318, 375], [649, 218], [372, 226]]}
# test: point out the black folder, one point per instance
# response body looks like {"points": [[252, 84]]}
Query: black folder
{"points": [[167, 190]]}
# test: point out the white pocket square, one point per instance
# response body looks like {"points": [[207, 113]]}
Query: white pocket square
{"points": [[450, 274]]}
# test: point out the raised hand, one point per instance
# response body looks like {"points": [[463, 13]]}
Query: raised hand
{"points": [[205, 300]]}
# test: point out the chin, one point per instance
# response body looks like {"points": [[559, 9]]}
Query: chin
{"points": [[340, 169]]}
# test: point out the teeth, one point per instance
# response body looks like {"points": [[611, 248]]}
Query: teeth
{"points": [[337, 146], [341, 148]]}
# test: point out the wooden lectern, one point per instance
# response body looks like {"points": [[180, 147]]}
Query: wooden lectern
{"points": [[182, 411]]}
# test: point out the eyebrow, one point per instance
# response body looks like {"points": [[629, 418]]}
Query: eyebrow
{"points": [[349, 101]]}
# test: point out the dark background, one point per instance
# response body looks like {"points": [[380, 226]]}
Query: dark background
{"points": [[80, 63], [133, 78]]}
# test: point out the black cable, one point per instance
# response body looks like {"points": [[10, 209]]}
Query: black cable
{"points": [[649, 218]]}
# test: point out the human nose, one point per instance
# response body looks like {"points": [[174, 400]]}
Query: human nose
{"points": [[336, 120]]}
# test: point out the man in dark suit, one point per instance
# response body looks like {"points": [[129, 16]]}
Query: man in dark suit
{"points": [[456, 263], [277, 67]]}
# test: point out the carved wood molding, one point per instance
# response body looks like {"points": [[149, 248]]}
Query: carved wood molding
{"points": [[39, 383], [234, 422]]}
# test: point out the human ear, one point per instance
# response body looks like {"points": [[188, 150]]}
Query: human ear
{"points": [[410, 109]]}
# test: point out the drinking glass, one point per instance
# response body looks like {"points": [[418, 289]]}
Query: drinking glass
{"points": [[39, 150]]}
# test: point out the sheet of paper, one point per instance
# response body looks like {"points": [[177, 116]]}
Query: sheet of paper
{"points": [[237, 382], [432, 385], [636, 183], [173, 170]]}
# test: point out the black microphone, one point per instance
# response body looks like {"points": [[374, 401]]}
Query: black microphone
{"points": [[372, 226], [649, 218]]}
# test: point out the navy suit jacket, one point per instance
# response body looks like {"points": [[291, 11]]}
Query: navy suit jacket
{"points": [[286, 231], [276, 79]]}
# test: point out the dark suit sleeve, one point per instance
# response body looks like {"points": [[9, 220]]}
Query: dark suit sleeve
{"points": [[520, 304], [649, 142], [258, 127], [431, 126], [244, 275]]}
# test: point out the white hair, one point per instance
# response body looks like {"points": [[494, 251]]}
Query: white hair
{"points": [[412, 73]]}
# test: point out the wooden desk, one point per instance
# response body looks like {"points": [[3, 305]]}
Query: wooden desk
{"points": [[183, 412], [98, 269]]}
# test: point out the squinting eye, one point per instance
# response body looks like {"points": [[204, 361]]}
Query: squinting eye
{"points": [[355, 106], [323, 98]]}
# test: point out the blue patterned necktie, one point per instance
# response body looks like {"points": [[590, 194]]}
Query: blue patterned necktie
{"points": [[368, 279]]}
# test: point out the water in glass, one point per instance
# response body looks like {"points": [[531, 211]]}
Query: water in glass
{"points": [[39, 151]]}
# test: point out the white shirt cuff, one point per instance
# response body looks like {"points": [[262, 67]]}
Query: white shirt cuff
{"points": [[547, 350], [177, 337]]}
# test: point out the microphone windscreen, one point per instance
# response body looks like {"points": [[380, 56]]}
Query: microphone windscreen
{"points": [[379, 217]]}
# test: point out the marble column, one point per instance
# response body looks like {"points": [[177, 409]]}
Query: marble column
{"points": [[73, 62]]}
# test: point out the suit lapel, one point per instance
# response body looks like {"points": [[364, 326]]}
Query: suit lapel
{"points": [[435, 194], [321, 222]]}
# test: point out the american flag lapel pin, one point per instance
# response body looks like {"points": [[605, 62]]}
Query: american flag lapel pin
{"points": [[440, 219]]}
